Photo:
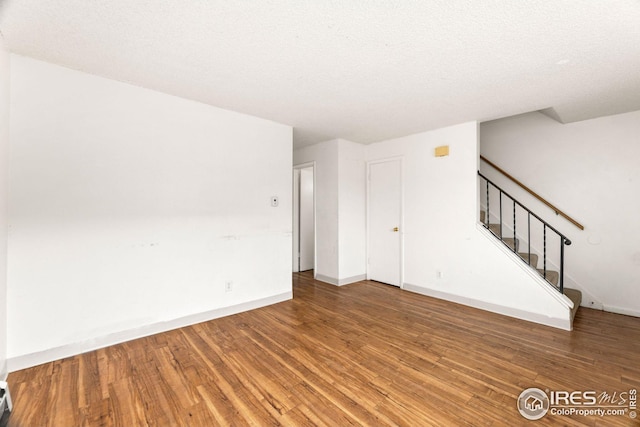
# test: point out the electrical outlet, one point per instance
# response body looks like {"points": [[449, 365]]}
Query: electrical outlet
{"points": [[228, 286]]}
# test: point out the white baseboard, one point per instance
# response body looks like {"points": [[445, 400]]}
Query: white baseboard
{"points": [[621, 310], [352, 279], [33, 359], [494, 308], [327, 279], [340, 282]]}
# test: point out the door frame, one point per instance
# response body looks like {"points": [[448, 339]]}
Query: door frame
{"points": [[399, 159], [296, 188]]}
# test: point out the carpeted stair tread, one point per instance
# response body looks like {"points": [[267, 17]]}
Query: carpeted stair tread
{"points": [[509, 242], [552, 276], [575, 296], [495, 228], [525, 257]]}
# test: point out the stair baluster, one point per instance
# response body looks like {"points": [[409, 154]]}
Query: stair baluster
{"points": [[529, 235]]}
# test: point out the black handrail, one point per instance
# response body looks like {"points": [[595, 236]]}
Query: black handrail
{"points": [[533, 193], [563, 239]]}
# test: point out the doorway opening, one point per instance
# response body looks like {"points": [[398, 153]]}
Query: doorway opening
{"points": [[304, 218]]}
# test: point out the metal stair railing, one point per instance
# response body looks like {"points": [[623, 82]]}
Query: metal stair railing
{"points": [[564, 241]]}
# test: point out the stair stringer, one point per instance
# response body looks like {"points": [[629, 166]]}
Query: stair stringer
{"points": [[589, 300], [538, 281]]}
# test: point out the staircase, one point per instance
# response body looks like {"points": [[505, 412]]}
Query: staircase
{"points": [[531, 259]]}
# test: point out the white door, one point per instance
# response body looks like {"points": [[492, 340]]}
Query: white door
{"points": [[385, 200]]}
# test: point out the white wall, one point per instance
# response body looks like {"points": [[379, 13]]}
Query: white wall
{"points": [[4, 150], [441, 233], [340, 209], [131, 209], [352, 238], [590, 170]]}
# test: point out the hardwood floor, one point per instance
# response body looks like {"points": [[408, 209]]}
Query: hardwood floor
{"points": [[363, 354]]}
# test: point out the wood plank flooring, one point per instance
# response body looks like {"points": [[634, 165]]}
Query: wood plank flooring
{"points": [[365, 354]]}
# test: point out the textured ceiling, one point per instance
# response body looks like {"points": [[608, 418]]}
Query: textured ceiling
{"points": [[361, 70]]}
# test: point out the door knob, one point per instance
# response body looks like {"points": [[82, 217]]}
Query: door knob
{"points": [[395, 229]]}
